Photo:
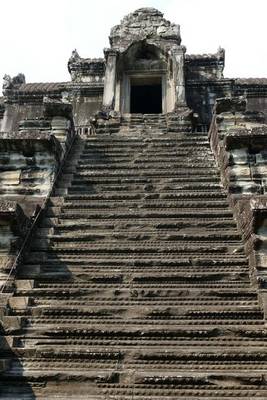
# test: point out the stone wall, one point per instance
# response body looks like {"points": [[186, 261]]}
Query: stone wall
{"points": [[202, 67], [13, 228], [27, 100], [238, 138], [30, 158], [255, 91]]}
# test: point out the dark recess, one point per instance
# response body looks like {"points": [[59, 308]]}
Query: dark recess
{"points": [[146, 99]]}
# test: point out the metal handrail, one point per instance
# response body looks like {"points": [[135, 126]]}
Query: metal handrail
{"points": [[36, 219]]}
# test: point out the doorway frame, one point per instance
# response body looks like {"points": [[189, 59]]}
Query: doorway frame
{"points": [[125, 90]]}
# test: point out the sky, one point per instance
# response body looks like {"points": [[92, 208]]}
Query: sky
{"points": [[38, 36]]}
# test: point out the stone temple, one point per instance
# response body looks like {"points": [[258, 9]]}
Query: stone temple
{"points": [[133, 226]]}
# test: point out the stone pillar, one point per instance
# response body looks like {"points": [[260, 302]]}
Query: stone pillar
{"points": [[110, 79], [179, 76]]}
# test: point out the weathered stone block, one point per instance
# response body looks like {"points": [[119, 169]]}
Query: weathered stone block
{"points": [[239, 156]]}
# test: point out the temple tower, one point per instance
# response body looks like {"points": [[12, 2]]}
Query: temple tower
{"points": [[144, 65]]}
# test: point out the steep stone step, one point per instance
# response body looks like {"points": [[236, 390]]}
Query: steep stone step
{"points": [[137, 195], [133, 213], [188, 185], [138, 265], [160, 223], [144, 204], [112, 184]]}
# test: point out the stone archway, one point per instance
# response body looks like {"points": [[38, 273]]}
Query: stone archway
{"points": [[141, 76]]}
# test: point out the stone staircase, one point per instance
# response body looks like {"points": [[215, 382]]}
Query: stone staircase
{"points": [[137, 124], [136, 285]]}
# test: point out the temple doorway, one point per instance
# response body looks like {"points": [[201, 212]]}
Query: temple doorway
{"points": [[146, 96]]}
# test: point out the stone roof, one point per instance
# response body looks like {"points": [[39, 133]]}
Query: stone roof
{"points": [[41, 87], [251, 81], [202, 56], [219, 55], [151, 11]]}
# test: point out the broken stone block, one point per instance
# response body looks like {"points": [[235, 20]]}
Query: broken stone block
{"points": [[239, 156]]}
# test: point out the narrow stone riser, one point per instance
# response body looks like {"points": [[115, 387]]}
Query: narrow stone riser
{"points": [[142, 162], [161, 223], [182, 149], [93, 362], [70, 269], [121, 140], [121, 340], [150, 176], [121, 233], [84, 291], [135, 149], [136, 185], [166, 195], [49, 324], [149, 165], [135, 275], [199, 261], [145, 215], [78, 302], [182, 188], [145, 205], [145, 142], [123, 236]]}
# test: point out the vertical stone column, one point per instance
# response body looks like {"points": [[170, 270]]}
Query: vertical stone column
{"points": [[110, 79], [179, 77]]}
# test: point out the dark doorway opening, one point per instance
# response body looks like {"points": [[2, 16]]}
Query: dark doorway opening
{"points": [[146, 98]]}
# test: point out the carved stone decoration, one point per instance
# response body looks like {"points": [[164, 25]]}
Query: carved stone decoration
{"points": [[144, 23], [7, 82], [12, 83], [74, 56]]}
